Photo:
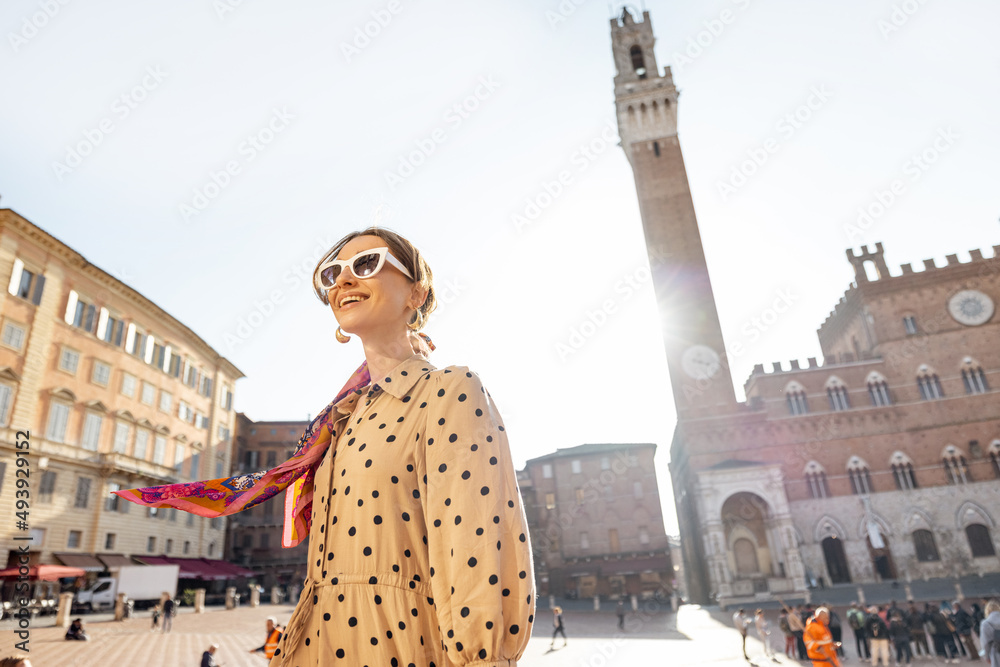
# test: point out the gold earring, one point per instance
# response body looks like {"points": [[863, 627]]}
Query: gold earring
{"points": [[341, 336], [417, 322]]}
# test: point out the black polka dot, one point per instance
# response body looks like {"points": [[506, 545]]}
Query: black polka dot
{"points": [[352, 621], [493, 579], [465, 612], [461, 397], [340, 653], [377, 519], [466, 475], [326, 616], [440, 392], [442, 467], [472, 562], [368, 551], [485, 491], [453, 437], [458, 520]]}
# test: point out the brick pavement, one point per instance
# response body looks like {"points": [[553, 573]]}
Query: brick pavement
{"points": [[694, 636]]}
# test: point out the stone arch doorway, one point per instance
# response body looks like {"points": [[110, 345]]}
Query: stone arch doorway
{"points": [[747, 521], [836, 561], [745, 554]]}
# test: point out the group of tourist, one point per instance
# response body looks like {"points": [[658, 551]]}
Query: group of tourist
{"points": [[948, 631], [953, 630]]}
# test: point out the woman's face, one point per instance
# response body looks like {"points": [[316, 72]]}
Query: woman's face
{"points": [[384, 302]]}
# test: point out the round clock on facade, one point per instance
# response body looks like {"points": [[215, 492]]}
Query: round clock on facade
{"points": [[971, 307], [700, 362]]}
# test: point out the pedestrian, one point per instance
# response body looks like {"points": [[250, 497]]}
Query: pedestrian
{"points": [[943, 635], [408, 472], [741, 622], [208, 657], [899, 631], [270, 646], [963, 623], [15, 661], [989, 633], [620, 611], [156, 618], [797, 627], [820, 647], [76, 631], [169, 610], [787, 631], [918, 635], [557, 623], [856, 619], [763, 632], [835, 628], [878, 636]]}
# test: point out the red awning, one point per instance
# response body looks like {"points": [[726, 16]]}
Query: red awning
{"points": [[82, 561], [44, 572], [204, 569]]}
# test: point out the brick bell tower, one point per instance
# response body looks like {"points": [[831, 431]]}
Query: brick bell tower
{"points": [[646, 103]]}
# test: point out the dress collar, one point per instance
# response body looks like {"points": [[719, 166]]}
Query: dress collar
{"points": [[398, 383]]}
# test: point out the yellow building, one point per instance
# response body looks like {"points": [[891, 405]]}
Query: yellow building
{"points": [[110, 392]]}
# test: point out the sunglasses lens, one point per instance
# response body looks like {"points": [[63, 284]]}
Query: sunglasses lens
{"points": [[329, 276], [365, 265]]}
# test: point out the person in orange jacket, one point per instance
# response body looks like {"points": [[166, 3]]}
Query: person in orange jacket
{"points": [[273, 635], [820, 647]]}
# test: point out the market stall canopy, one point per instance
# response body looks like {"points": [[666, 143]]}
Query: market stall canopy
{"points": [[44, 572], [116, 560]]}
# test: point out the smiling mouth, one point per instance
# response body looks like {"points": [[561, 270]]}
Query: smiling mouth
{"points": [[353, 298]]}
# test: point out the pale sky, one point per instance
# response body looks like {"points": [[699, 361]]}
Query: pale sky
{"points": [[116, 115]]}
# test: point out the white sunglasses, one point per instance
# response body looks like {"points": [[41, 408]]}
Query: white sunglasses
{"points": [[365, 264]]}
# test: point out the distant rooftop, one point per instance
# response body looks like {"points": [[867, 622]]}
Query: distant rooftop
{"points": [[592, 448]]}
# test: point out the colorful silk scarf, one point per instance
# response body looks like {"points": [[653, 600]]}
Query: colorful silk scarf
{"points": [[229, 495]]}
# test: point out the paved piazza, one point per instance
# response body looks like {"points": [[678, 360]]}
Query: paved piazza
{"points": [[694, 636]]}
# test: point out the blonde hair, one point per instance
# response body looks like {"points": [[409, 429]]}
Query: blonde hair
{"points": [[13, 661], [405, 252], [992, 606]]}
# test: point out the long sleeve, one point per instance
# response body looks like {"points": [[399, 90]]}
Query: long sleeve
{"points": [[480, 555]]}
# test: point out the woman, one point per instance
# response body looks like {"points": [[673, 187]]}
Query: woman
{"points": [[763, 632], [418, 544], [558, 625]]}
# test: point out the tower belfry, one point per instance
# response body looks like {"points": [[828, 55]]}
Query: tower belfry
{"points": [[646, 102]]}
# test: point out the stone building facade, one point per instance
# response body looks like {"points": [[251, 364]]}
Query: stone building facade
{"points": [[880, 461], [255, 535], [113, 393], [595, 521]]}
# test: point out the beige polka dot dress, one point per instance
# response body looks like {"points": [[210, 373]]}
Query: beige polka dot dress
{"points": [[418, 550]]}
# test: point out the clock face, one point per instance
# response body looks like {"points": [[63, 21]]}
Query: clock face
{"points": [[700, 362], [971, 307]]}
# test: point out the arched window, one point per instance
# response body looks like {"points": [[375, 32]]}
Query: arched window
{"points": [[973, 377], [929, 384], [902, 471], [836, 392], [956, 468], [795, 395], [816, 480], [926, 547], [638, 62], [980, 542], [878, 390], [995, 457], [858, 471]]}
